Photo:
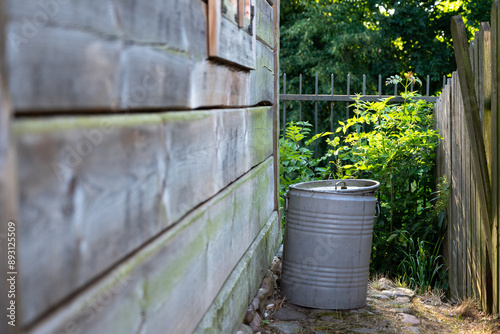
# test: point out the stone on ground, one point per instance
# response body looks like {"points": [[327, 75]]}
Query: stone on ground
{"points": [[287, 327], [410, 319], [286, 314]]}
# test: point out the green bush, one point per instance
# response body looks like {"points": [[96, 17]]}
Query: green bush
{"points": [[397, 148], [297, 162]]}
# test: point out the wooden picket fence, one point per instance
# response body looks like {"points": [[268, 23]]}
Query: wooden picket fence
{"points": [[467, 117]]}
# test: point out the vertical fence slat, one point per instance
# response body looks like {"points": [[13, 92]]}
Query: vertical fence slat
{"points": [[495, 165], [316, 116], [379, 85], [467, 220], [428, 86], [454, 188], [300, 93], [331, 104], [364, 84], [284, 105], [484, 95], [348, 94], [463, 223]]}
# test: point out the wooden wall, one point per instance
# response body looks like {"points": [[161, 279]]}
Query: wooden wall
{"points": [[467, 116], [143, 163]]}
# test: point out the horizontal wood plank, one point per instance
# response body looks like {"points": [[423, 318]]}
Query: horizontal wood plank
{"points": [[264, 22], [92, 190], [169, 285], [155, 78], [63, 69], [137, 77], [230, 11], [96, 16], [262, 79], [179, 25], [227, 41]]}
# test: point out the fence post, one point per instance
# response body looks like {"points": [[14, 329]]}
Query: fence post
{"points": [[284, 105]]}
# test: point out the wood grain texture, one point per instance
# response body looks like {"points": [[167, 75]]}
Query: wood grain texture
{"points": [[94, 190], [214, 22], [168, 285], [473, 256], [473, 121], [216, 85], [230, 10], [95, 16], [226, 312], [63, 69], [262, 79], [179, 25], [454, 192], [228, 42], [132, 59], [276, 105], [264, 22], [155, 78], [176, 25], [495, 164], [462, 225]]}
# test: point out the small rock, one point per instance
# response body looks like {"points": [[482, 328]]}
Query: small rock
{"points": [[286, 314], [378, 296], [268, 283], [364, 330], [287, 327], [410, 319], [244, 329], [265, 291], [398, 292], [255, 323], [414, 330], [255, 303], [249, 314]]}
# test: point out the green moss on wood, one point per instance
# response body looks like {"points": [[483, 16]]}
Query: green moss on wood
{"points": [[28, 126]]}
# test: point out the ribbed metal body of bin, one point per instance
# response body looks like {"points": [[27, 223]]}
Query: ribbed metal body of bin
{"points": [[327, 245]]}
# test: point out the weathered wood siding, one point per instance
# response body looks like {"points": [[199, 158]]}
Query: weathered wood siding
{"points": [[142, 170], [468, 156], [8, 186]]}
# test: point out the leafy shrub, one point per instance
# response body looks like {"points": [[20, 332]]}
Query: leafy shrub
{"points": [[297, 162], [397, 148]]}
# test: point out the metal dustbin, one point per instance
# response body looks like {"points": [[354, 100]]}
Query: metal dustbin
{"points": [[327, 244]]}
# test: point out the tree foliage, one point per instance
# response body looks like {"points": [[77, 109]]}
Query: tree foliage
{"points": [[372, 37]]}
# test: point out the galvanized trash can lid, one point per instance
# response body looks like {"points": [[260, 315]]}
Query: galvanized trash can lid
{"points": [[344, 186]]}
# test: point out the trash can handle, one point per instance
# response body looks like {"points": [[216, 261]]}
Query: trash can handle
{"points": [[343, 187], [378, 210], [286, 201]]}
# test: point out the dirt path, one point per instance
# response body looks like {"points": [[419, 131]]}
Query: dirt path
{"points": [[389, 309]]}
